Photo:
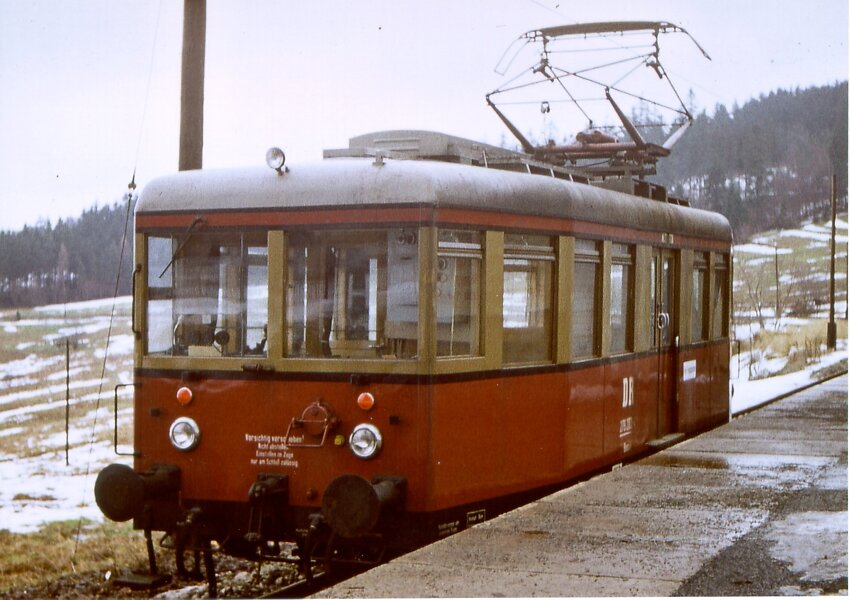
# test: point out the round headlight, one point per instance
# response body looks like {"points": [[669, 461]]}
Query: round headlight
{"points": [[184, 434], [365, 441], [275, 158]]}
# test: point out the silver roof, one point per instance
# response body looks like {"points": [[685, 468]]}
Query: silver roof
{"points": [[366, 182]]}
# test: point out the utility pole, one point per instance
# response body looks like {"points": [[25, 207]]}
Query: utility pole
{"points": [[192, 85], [776, 273], [831, 328]]}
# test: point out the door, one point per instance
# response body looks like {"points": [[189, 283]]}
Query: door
{"points": [[664, 319]]}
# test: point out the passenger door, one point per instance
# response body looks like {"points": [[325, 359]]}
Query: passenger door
{"points": [[663, 306]]}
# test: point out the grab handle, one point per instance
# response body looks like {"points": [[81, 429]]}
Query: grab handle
{"points": [[136, 332]]}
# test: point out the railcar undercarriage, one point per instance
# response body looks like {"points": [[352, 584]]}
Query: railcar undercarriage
{"points": [[347, 530]]}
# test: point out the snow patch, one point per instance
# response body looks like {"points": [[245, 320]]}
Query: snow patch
{"points": [[755, 248]]}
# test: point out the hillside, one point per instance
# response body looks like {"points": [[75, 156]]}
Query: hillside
{"points": [[767, 164], [74, 260], [781, 298]]}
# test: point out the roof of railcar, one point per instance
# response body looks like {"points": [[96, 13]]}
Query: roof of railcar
{"points": [[353, 182]]}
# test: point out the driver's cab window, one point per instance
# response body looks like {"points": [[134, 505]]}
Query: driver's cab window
{"points": [[352, 294], [207, 295]]}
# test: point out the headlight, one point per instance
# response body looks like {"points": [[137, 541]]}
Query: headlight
{"points": [[275, 158], [365, 441], [184, 434]]}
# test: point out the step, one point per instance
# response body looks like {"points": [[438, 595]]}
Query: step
{"points": [[668, 440]]}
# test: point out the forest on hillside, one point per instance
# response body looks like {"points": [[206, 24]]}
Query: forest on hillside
{"points": [[74, 260], [765, 165]]}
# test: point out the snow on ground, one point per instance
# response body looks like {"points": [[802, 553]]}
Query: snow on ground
{"points": [[43, 489], [36, 485], [814, 233], [104, 303], [119, 345], [761, 249], [749, 394], [30, 365]]}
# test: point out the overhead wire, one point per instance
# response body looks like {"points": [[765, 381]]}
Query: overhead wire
{"points": [[129, 198]]}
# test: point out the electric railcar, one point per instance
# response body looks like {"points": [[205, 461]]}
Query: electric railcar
{"points": [[404, 339]]}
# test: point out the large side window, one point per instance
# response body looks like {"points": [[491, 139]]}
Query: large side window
{"points": [[458, 293], [585, 297], [207, 295], [720, 314], [622, 298], [353, 294], [699, 298], [527, 313]]}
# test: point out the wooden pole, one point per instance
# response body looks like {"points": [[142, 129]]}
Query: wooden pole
{"points": [[67, 400], [831, 328], [776, 273], [192, 85]]}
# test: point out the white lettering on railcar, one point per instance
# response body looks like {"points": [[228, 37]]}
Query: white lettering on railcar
{"points": [[628, 392], [444, 529], [476, 516], [627, 424], [270, 451]]}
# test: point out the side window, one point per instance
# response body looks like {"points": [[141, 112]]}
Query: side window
{"points": [[207, 295], [256, 273], [622, 298], [458, 293], [585, 299], [527, 312], [699, 298], [352, 294], [720, 314], [160, 288]]}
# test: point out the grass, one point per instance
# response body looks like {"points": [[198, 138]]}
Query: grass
{"points": [[808, 337], [32, 401], [66, 547], [41, 381]]}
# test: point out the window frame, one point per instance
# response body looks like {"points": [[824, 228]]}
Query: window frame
{"points": [[543, 252], [623, 255], [720, 277], [244, 261], [584, 255], [460, 250], [699, 313]]}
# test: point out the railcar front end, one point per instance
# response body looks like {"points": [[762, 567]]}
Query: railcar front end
{"points": [[371, 353]]}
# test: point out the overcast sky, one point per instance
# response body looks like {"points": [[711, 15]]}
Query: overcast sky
{"points": [[89, 90]]}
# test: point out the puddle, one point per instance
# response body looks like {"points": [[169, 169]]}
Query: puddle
{"points": [[809, 540], [786, 472], [683, 461]]}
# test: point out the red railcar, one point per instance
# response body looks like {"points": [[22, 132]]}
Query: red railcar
{"points": [[405, 339]]}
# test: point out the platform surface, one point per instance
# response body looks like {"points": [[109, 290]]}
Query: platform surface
{"points": [[757, 506]]}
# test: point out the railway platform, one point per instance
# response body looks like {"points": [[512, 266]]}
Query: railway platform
{"points": [[755, 507]]}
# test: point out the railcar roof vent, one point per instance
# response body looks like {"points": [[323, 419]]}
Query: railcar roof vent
{"points": [[431, 145]]}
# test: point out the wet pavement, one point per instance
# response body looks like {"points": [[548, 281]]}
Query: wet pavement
{"points": [[756, 507]]}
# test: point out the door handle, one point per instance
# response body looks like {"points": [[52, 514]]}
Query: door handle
{"points": [[136, 332]]}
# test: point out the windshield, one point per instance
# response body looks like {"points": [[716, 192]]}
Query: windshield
{"points": [[207, 295], [353, 294]]}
